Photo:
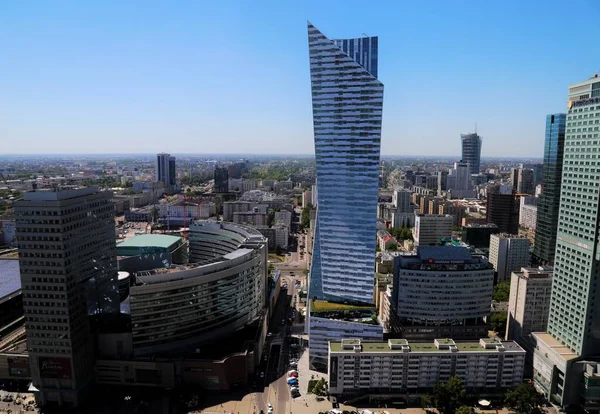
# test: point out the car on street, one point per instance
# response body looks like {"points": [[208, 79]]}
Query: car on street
{"points": [[269, 408]]}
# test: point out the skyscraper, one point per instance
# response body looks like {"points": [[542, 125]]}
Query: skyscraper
{"points": [[471, 151], [165, 169], [574, 318], [503, 211], [347, 101], [347, 108], [67, 255], [549, 200], [221, 176]]}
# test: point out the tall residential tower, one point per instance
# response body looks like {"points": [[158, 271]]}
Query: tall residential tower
{"points": [[549, 200], [471, 151], [165, 169], [347, 100]]}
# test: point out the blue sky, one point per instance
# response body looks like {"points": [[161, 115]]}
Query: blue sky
{"points": [[218, 77]]}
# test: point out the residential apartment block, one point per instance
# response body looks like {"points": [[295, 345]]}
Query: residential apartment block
{"points": [[508, 253], [399, 366]]}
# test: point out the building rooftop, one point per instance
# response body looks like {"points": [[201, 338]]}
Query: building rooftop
{"points": [[402, 346], [150, 240], [442, 253], [325, 306], [10, 279], [564, 351]]}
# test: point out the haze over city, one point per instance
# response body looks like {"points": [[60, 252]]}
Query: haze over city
{"points": [[234, 78]]}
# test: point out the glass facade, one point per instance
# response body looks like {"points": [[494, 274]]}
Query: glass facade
{"points": [[347, 101], [574, 317], [471, 151], [549, 200]]}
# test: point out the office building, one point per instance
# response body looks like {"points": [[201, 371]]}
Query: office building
{"points": [[574, 317], [528, 305], [528, 212], [429, 229], [442, 291], [458, 181], [401, 367], [306, 198], [221, 176], [525, 181], [165, 169], [508, 253], [538, 172], [471, 151], [66, 241], [227, 258], [442, 182], [478, 235], [503, 211], [549, 199], [344, 84]]}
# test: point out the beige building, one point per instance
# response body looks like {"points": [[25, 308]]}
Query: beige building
{"points": [[430, 228], [529, 304]]}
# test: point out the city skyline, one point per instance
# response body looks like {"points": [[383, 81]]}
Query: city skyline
{"points": [[142, 77]]}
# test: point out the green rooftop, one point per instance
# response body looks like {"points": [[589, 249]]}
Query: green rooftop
{"points": [[414, 347], [324, 306], [150, 240]]}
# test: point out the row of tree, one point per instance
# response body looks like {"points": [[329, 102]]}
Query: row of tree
{"points": [[450, 397]]}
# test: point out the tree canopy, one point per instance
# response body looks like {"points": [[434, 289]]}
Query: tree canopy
{"points": [[464, 409], [501, 292], [498, 321], [449, 395], [524, 399]]}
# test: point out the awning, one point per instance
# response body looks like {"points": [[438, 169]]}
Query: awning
{"points": [[484, 403]]}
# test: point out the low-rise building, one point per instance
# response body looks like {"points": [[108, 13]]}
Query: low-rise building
{"points": [[385, 240], [401, 367]]}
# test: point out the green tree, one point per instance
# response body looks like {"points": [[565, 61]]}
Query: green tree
{"points": [[271, 218], [498, 321], [392, 248], [426, 401], [305, 217], [448, 396], [464, 409], [524, 399], [501, 292]]}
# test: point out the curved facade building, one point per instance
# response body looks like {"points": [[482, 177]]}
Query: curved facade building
{"points": [[221, 292]]}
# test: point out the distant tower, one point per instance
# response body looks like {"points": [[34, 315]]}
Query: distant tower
{"points": [[471, 151], [165, 169]]}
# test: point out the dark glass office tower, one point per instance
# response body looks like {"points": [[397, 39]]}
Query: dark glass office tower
{"points": [[548, 204], [471, 151]]}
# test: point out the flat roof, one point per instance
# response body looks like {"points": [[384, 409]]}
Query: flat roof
{"points": [[444, 253], [564, 351], [426, 347], [10, 280], [150, 240]]}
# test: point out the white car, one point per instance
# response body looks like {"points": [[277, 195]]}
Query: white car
{"points": [[269, 408]]}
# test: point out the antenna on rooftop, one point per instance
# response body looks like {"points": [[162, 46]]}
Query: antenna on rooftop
{"points": [[475, 127], [365, 35]]}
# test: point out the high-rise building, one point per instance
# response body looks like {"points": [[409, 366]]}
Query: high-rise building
{"points": [[458, 182], [503, 211], [528, 212], [344, 84], [347, 101], [574, 318], [528, 304], [549, 200], [478, 235], [67, 256], [165, 169], [221, 176], [525, 181], [508, 253], [429, 229], [471, 151]]}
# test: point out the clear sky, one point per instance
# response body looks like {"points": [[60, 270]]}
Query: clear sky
{"points": [[233, 76]]}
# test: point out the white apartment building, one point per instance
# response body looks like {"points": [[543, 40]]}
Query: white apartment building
{"points": [[429, 228], [508, 253], [529, 303], [402, 367], [528, 212]]}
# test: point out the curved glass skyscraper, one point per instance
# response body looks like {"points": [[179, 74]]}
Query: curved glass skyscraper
{"points": [[471, 151], [347, 100]]}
